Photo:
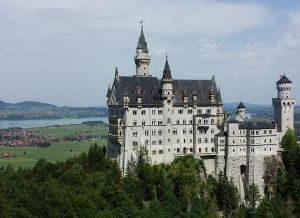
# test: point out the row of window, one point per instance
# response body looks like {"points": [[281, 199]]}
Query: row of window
{"points": [[159, 142], [184, 150], [180, 111]]}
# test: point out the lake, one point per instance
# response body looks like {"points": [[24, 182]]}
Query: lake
{"points": [[4, 124]]}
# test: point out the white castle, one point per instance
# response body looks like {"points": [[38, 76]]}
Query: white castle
{"points": [[172, 118]]}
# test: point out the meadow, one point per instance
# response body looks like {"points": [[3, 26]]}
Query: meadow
{"points": [[26, 157]]}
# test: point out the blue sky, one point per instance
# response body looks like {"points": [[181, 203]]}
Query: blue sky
{"points": [[65, 51]]}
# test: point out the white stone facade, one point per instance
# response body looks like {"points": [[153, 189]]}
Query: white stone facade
{"points": [[172, 118]]}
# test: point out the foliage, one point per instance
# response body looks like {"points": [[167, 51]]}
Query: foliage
{"points": [[252, 195]]}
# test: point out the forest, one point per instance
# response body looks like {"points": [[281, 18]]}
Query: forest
{"points": [[90, 185]]}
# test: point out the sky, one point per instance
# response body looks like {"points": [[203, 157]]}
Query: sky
{"points": [[64, 52]]}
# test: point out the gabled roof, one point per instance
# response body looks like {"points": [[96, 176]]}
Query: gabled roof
{"points": [[284, 79], [167, 72], [142, 44], [241, 106]]}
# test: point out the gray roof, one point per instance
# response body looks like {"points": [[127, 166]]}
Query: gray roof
{"points": [[149, 89], [142, 44], [257, 125], [284, 79], [167, 72], [241, 105]]}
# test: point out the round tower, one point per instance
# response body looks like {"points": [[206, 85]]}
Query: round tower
{"points": [[284, 105], [142, 58]]}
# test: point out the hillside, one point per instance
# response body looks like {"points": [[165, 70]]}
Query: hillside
{"points": [[38, 110]]}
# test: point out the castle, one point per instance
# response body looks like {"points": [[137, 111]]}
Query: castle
{"points": [[174, 117]]}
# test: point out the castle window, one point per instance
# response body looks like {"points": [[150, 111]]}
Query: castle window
{"points": [[199, 111], [265, 140], [199, 140], [160, 123], [190, 111], [208, 111], [270, 149], [143, 123], [252, 132], [212, 140], [134, 123], [270, 140], [134, 143], [169, 140], [184, 121], [265, 131], [205, 140], [191, 140], [233, 142], [177, 121], [160, 142], [174, 131], [232, 150], [199, 150], [191, 121], [153, 142], [212, 121], [143, 112], [265, 149], [153, 112], [232, 132], [270, 131], [205, 121], [191, 149], [160, 132], [184, 141], [146, 142], [212, 131], [180, 111], [153, 132], [168, 120], [199, 121], [184, 131], [160, 112], [177, 141], [134, 112], [206, 149], [212, 150], [147, 132], [257, 132], [169, 130], [178, 150], [160, 151], [153, 122], [154, 152], [134, 133], [191, 131]]}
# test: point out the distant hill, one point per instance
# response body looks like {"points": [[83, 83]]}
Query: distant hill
{"points": [[38, 110]]}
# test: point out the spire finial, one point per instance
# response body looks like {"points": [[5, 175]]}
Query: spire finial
{"points": [[141, 22], [116, 72], [166, 55]]}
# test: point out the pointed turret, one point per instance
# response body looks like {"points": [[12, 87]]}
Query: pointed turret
{"points": [[142, 58], [167, 81], [142, 44], [167, 72]]}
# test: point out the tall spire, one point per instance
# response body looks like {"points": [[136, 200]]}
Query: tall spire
{"points": [[142, 58], [142, 44], [167, 72]]}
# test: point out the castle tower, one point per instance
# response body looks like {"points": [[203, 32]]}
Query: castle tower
{"points": [[167, 99], [142, 58], [284, 105]]}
